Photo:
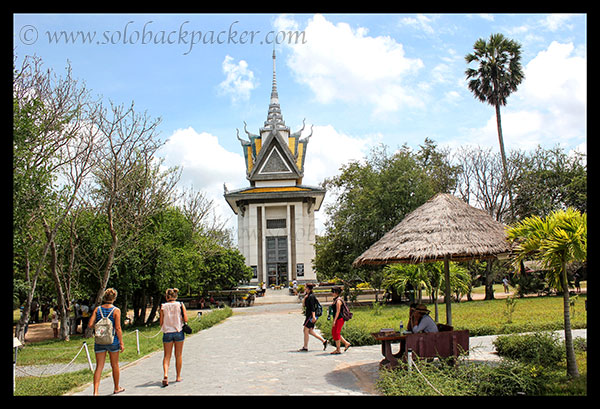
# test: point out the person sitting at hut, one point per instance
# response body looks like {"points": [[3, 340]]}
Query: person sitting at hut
{"points": [[421, 321]]}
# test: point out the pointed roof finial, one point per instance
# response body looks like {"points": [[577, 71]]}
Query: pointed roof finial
{"points": [[274, 95], [274, 116]]}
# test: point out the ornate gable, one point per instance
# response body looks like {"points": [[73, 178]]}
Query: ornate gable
{"points": [[275, 161]]}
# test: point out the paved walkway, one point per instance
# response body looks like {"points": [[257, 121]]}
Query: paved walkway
{"points": [[254, 352]]}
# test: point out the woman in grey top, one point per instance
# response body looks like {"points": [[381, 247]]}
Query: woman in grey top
{"points": [[421, 321]]}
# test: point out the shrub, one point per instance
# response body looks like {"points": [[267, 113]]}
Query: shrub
{"points": [[580, 344], [377, 308], [357, 335], [442, 379], [539, 348], [508, 378]]}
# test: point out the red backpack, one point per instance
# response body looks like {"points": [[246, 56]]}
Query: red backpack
{"points": [[345, 312]]}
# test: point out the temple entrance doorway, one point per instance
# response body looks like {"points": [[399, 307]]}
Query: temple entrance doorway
{"points": [[277, 260]]}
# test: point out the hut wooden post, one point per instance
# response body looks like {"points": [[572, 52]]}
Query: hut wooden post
{"points": [[448, 291]]}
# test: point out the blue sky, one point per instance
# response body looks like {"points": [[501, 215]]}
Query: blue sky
{"points": [[358, 79]]}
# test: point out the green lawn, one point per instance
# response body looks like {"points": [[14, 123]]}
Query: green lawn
{"points": [[479, 317]]}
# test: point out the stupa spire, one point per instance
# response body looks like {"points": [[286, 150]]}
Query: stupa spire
{"points": [[274, 117], [274, 95]]}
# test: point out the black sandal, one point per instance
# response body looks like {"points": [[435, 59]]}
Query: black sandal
{"points": [[303, 349], [325, 345]]}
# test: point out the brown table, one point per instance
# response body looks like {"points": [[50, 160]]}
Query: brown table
{"points": [[390, 359]]}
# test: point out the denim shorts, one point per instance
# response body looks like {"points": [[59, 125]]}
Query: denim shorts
{"points": [[173, 336], [110, 347]]}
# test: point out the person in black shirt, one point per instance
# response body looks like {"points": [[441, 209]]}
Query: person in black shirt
{"points": [[338, 321], [310, 304]]}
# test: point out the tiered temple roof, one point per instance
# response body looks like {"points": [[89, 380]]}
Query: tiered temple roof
{"points": [[275, 153], [274, 161]]}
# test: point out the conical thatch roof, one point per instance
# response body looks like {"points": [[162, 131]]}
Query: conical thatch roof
{"points": [[443, 226]]}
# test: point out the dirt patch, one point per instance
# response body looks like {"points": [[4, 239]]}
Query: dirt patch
{"points": [[38, 332]]}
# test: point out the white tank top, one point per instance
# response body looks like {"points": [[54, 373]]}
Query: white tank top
{"points": [[172, 321]]}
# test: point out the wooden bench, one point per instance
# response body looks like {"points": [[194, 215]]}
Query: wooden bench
{"points": [[443, 344]]}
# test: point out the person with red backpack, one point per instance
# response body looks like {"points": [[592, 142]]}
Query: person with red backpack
{"points": [[341, 314]]}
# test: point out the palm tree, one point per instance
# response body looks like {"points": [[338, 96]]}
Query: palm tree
{"points": [[428, 276], [399, 276], [558, 239], [498, 75], [460, 281]]}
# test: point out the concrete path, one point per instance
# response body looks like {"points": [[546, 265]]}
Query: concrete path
{"points": [[254, 352]]}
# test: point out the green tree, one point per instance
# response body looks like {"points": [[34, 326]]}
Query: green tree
{"points": [[555, 240], [166, 256], [551, 179], [498, 75], [372, 197], [51, 138], [223, 268], [428, 276], [443, 176], [130, 185]]}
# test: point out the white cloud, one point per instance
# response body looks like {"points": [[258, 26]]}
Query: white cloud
{"points": [[339, 63], [440, 73], [239, 79], [549, 107], [329, 149], [488, 17], [556, 79], [206, 165], [452, 97], [555, 22], [420, 22]]}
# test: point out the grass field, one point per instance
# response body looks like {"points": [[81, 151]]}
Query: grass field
{"points": [[479, 317]]}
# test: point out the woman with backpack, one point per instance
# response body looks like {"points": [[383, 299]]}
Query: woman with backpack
{"points": [[340, 310], [106, 321], [172, 317], [313, 311]]}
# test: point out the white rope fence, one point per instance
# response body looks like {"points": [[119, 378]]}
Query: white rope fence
{"points": [[43, 374], [412, 363]]}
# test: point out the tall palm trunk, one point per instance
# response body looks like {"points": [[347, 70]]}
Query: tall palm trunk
{"points": [[501, 140], [503, 155], [572, 370]]}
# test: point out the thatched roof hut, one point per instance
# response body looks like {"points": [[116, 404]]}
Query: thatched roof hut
{"points": [[443, 228]]}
